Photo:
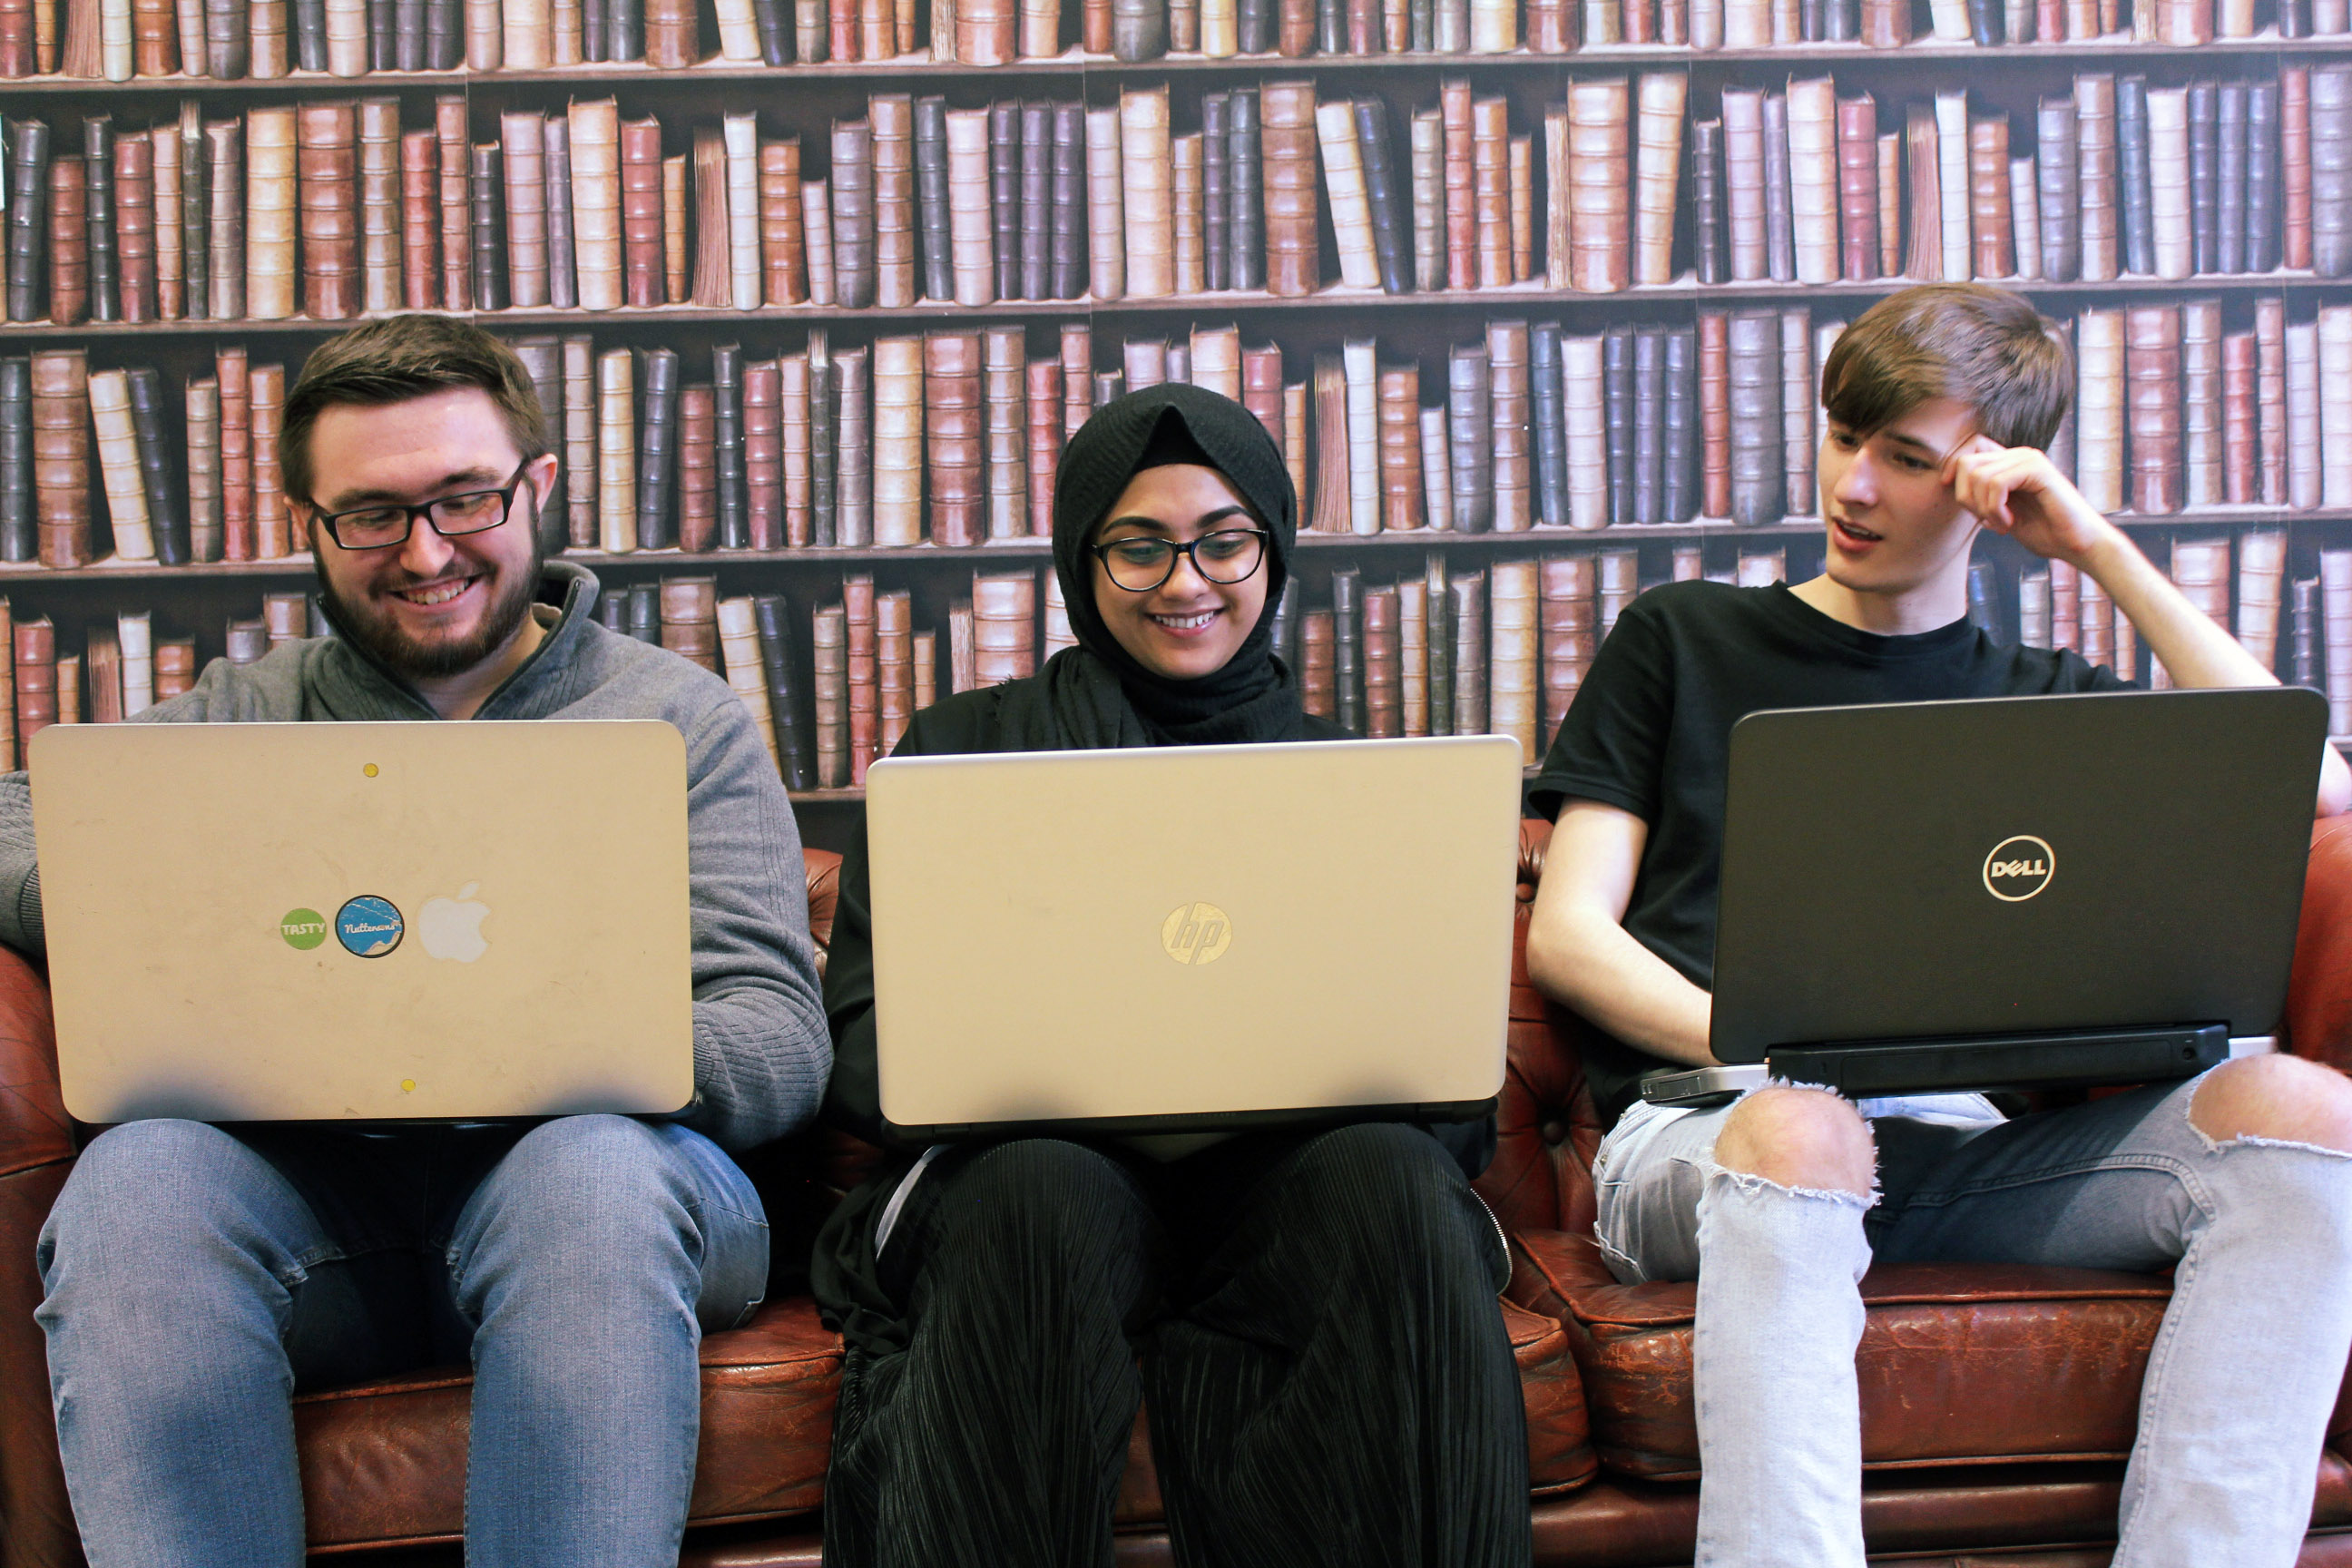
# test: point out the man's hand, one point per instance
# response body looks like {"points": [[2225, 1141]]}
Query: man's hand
{"points": [[2018, 491]]}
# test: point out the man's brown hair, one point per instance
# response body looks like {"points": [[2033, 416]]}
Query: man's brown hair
{"points": [[395, 360], [1983, 347]]}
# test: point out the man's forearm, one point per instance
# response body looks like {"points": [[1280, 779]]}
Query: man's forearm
{"points": [[20, 878], [2195, 651], [1591, 963]]}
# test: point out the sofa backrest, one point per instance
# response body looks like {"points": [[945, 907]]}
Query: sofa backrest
{"points": [[1547, 1129]]}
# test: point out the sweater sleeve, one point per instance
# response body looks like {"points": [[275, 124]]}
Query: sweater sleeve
{"points": [[761, 1051]]}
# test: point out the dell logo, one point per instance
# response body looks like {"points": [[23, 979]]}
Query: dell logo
{"points": [[2019, 867], [1196, 934]]}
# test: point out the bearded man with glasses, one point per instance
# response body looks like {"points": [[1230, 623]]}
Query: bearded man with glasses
{"points": [[197, 1275]]}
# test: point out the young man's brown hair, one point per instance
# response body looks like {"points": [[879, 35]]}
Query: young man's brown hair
{"points": [[1980, 346], [398, 358]]}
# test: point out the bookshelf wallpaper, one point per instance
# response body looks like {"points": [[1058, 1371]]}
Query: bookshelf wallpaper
{"points": [[1532, 294]]}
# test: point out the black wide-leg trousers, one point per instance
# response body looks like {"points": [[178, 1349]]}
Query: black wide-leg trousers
{"points": [[1329, 1376]]}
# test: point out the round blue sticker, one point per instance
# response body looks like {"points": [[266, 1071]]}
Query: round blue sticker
{"points": [[369, 926]]}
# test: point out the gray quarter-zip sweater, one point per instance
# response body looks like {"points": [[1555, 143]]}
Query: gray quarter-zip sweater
{"points": [[761, 1047]]}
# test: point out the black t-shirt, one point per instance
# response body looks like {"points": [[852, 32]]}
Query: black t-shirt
{"points": [[1650, 733]]}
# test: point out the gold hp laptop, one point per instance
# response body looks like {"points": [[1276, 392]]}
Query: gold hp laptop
{"points": [[315, 921], [1193, 939]]}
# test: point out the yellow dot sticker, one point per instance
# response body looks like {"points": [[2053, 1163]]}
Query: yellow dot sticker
{"points": [[408, 1086], [369, 770]]}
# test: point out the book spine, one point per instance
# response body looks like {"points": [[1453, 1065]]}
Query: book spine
{"points": [[1743, 170], [456, 203], [1648, 380], [954, 436], [1617, 371], [1389, 215], [2097, 229], [133, 182], [1662, 100], [2261, 240], [2099, 408], [1598, 171], [2335, 406], [266, 404], [120, 474], [1991, 227], [2203, 398], [18, 539], [656, 465], [2330, 179], [892, 119], [1045, 399], [1287, 145], [1857, 189], [841, 441], [697, 510], [1779, 221], [896, 463], [485, 239], [1034, 222], [1469, 423], [2270, 400], [1507, 405], [852, 213], [2152, 365], [971, 229], [1343, 177], [1106, 218], [59, 382], [1711, 256], [1584, 376], [1490, 189], [166, 521], [1146, 194], [2172, 250], [28, 176], [97, 193], [1550, 429]]}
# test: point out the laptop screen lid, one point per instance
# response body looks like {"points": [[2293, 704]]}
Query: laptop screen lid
{"points": [[375, 921], [2013, 866], [1192, 938]]}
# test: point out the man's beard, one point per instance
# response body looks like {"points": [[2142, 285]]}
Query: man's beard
{"points": [[374, 632]]}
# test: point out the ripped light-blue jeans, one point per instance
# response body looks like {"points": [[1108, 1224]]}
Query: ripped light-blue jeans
{"points": [[197, 1278], [2240, 1383]]}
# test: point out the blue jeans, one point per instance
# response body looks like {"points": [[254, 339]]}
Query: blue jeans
{"points": [[2240, 1382], [195, 1279]]}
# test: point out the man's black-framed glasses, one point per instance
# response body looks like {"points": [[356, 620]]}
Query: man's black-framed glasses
{"points": [[387, 523], [1139, 564]]}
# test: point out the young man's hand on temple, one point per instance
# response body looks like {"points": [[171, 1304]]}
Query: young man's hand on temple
{"points": [[2018, 491]]}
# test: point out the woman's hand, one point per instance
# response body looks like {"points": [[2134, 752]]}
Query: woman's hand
{"points": [[2018, 491]]}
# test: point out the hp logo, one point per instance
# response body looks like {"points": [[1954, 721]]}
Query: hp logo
{"points": [[1196, 934], [2020, 868]]}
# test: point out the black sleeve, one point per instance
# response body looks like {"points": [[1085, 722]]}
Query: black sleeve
{"points": [[853, 1095], [1612, 742], [2069, 672]]}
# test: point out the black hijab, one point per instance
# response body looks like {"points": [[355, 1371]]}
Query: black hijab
{"points": [[1096, 695]]}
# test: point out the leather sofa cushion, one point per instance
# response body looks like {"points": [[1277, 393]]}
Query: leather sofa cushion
{"points": [[383, 1462], [1959, 1363]]}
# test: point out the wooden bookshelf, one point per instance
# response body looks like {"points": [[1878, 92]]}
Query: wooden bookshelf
{"points": [[1418, 327]]}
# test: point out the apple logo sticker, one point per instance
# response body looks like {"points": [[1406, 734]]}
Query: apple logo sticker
{"points": [[452, 927]]}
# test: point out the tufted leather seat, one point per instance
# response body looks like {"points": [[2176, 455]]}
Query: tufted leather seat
{"points": [[1997, 1402]]}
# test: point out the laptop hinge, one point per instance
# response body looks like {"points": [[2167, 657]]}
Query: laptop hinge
{"points": [[2068, 1059]]}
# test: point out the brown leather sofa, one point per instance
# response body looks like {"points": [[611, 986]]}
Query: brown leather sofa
{"points": [[1998, 1403]]}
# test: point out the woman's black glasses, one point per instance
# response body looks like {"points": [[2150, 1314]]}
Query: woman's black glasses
{"points": [[387, 523], [1142, 564]]}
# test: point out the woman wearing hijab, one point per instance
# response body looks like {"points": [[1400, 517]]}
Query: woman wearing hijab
{"points": [[1328, 1377]]}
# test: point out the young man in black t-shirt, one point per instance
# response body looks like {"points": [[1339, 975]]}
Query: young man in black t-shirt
{"points": [[1938, 400]]}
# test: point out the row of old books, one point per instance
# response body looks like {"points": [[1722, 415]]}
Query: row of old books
{"points": [[116, 40], [335, 209], [1501, 650], [954, 438]]}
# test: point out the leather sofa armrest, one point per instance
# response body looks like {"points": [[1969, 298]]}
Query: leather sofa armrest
{"points": [[823, 870], [34, 1129], [2319, 997]]}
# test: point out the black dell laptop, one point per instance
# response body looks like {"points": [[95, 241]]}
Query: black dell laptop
{"points": [[2010, 894]]}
